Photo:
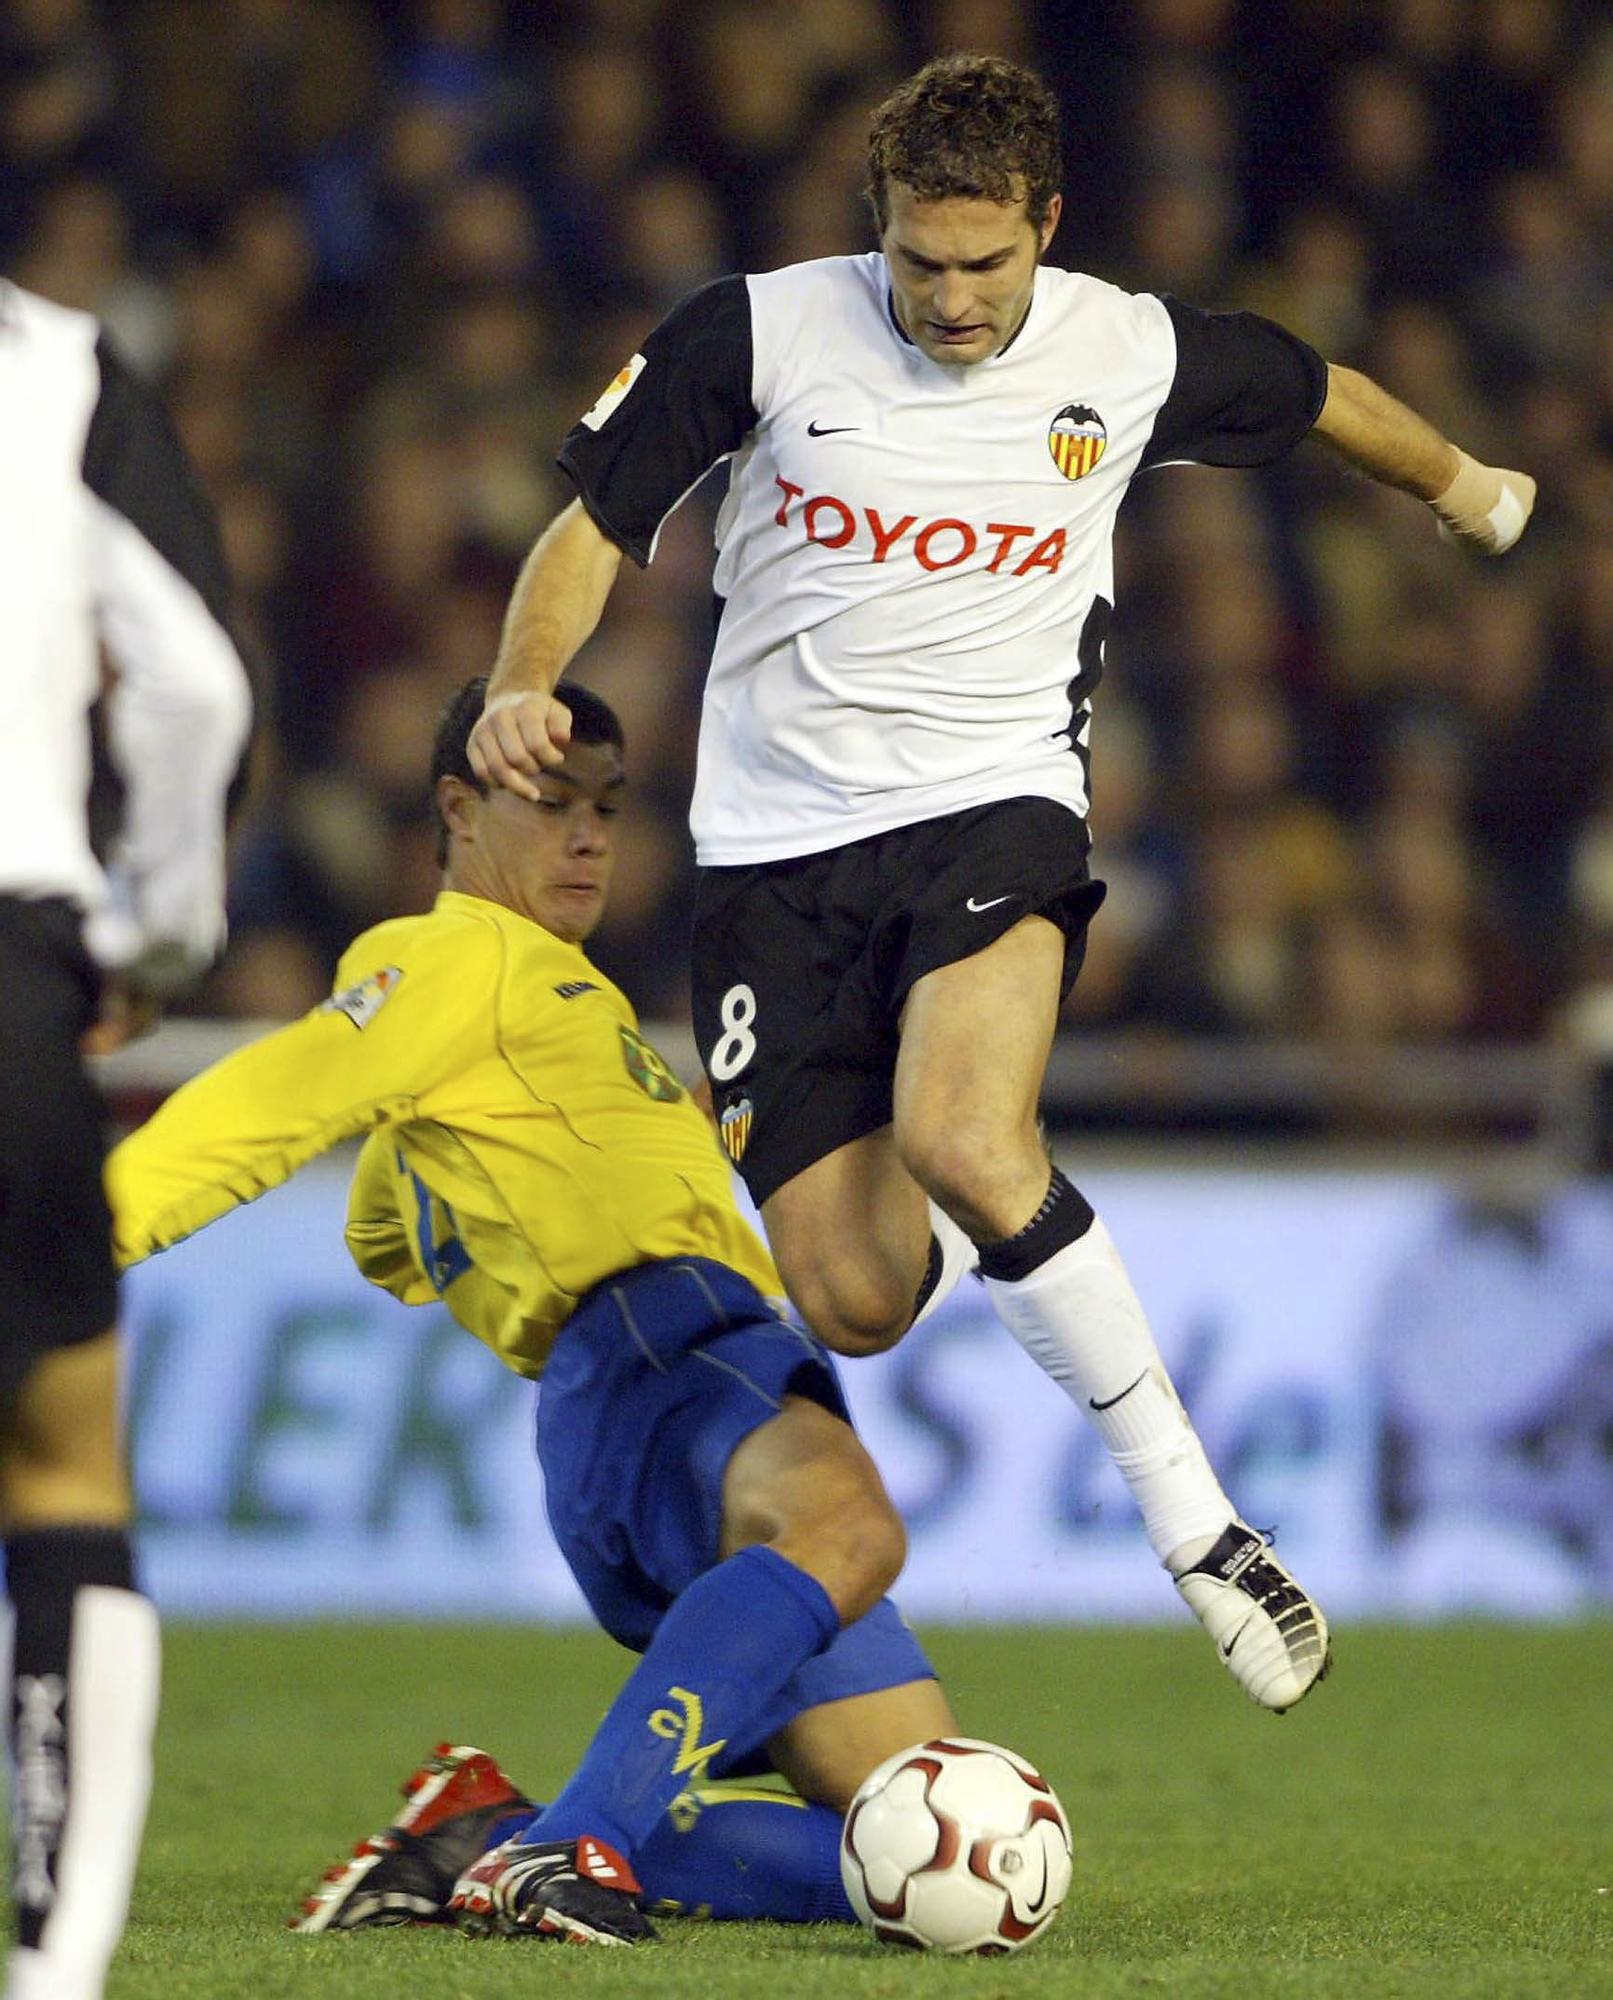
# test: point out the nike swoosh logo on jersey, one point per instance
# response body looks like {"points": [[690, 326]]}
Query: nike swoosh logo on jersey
{"points": [[1109, 1405], [830, 430], [971, 904]]}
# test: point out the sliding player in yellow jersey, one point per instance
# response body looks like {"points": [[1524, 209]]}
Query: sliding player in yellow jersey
{"points": [[532, 1162]]}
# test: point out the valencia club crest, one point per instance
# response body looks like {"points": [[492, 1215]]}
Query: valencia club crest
{"points": [[1076, 438], [733, 1128]]}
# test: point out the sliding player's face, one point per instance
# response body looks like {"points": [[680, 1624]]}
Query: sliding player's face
{"points": [[961, 271], [549, 859]]}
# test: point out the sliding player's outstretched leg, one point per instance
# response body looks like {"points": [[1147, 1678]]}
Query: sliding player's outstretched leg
{"points": [[817, 1545], [735, 1849], [720, 1656], [758, 1848]]}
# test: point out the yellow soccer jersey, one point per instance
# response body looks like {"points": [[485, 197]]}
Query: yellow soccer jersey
{"points": [[525, 1142]]}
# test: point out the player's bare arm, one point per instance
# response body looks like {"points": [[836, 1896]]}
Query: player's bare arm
{"points": [[555, 606], [1484, 504]]}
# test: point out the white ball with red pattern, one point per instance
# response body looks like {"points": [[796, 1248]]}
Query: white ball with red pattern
{"points": [[956, 1846]]}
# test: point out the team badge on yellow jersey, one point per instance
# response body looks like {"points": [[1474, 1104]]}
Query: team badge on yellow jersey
{"points": [[648, 1069], [361, 1003], [1077, 439]]}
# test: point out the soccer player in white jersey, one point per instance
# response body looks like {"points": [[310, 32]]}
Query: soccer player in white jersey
{"points": [[106, 545], [928, 446]]}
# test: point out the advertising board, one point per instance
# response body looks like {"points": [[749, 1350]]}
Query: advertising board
{"points": [[1414, 1389]]}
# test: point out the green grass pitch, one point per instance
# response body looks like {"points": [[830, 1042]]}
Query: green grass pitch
{"points": [[1437, 1820]]}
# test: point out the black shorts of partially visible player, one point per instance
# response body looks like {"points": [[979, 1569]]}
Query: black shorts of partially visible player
{"points": [[801, 967], [57, 1283]]}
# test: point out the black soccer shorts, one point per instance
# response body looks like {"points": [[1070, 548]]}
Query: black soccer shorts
{"points": [[57, 1282], [801, 967]]}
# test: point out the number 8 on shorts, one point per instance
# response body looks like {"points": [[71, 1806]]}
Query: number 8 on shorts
{"points": [[736, 1045]]}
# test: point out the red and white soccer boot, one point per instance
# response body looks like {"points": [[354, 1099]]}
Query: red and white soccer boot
{"points": [[581, 1891], [406, 1875]]}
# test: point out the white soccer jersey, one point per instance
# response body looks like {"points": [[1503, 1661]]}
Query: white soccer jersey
{"points": [[915, 561], [106, 542]]}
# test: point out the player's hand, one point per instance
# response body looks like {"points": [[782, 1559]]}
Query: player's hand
{"points": [[1486, 505], [124, 1016], [518, 736]]}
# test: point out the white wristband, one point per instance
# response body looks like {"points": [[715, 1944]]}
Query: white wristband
{"points": [[1486, 505]]}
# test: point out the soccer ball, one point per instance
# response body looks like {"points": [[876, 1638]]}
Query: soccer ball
{"points": [[956, 1846]]}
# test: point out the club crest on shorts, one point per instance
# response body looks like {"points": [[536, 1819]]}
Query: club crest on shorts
{"points": [[1077, 438], [733, 1128], [361, 1003]]}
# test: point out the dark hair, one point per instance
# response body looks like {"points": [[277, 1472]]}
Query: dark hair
{"points": [[593, 720], [977, 126]]}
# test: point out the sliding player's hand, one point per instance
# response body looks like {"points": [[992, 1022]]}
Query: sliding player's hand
{"points": [[517, 737]]}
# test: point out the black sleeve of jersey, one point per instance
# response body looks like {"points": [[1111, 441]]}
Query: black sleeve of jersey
{"points": [[1246, 390], [690, 406], [133, 460]]}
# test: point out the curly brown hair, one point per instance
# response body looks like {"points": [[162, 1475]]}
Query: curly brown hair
{"points": [[977, 126]]}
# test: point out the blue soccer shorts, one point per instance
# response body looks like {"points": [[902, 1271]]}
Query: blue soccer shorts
{"points": [[653, 1384]]}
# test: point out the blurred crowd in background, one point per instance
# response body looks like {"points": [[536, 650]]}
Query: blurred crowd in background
{"points": [[1350, 782]]}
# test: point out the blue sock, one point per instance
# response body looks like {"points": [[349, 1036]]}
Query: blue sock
{"points": [[736, 1851], [766, 1856], [719, 1656]]}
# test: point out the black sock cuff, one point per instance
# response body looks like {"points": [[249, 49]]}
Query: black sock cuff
{"points": [[1063, 1218], [931, 1278], [46, 1568], [59, 1561]]}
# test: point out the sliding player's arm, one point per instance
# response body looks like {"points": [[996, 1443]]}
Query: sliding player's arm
{"points": [[390, 1033]]}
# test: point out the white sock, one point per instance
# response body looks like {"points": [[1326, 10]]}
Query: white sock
{"points": [[1079, 1320], [958, 1257], [112, 1676]]}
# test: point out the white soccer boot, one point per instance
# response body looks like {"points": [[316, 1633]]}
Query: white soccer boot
{"points": [[1272, 1638]]}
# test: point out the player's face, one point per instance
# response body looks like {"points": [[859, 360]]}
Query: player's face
{"points": [[961, 271], [549, 859]]}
